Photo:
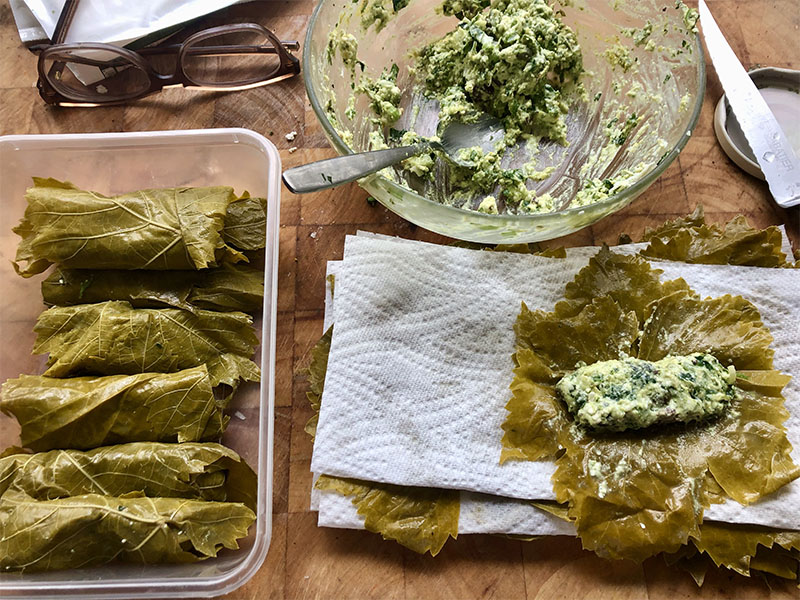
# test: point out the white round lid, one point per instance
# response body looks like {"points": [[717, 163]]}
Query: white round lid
{"points": [[780, 88]]}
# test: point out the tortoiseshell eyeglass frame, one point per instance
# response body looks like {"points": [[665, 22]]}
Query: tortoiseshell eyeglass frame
{"points": [[53, 59]]}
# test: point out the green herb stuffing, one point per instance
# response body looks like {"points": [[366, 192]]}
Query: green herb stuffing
{"points": [[384, 96], [514, 61], [616, 395]]}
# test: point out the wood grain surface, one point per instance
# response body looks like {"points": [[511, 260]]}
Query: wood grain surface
{"points": [[305, 561]]}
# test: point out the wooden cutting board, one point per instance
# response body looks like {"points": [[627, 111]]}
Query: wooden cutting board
{"points": [[305, 561]]}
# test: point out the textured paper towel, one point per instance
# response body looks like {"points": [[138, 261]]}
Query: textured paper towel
{"points": [[491, 514], [432, 315], [480, 513]]}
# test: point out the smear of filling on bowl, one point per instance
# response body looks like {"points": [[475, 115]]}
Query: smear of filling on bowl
{"points": [[617, 395], [518, 61]]}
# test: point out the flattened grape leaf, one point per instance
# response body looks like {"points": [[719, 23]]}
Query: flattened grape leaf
{"points": [[742, 547], [629, 280], [534, 413], [226, 288], [735, 243], [421, 519], [195, 471], [599, 332], [679, 324], [86, 412], [316, 378], [173, 228], [92, 529], [113, 337], [246, 223], [633, 495], [602, 330]]}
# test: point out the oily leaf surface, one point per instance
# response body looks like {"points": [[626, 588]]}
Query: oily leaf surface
{"points": [[86, 412], [195, 471], [602, 330], [737, 546], [246, 223], [742, 547], [629, 280], [171, 228], [680, 324], [316, 378], [226, 288], [735, 243], [112, 338], [548, 347], [634, 494], [421, 519], [93, 529]]}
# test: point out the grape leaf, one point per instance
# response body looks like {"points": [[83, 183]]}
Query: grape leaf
{"points": [[195, 471], [735, 243], [229, 287], [421, 519], [628, 280], [246, 223], [634, 494], [171, 228], [742, 547], [92, 529], [680, 324], [86, 412], [316, 378], [112, 338]]}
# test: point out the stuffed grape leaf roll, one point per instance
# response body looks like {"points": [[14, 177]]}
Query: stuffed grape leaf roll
{"points": [[88, 530], [112, 338], [229, 287], [86, 412], [194, 471], [160, 229]]}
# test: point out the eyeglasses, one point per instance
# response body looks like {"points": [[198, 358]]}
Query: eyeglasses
{"points": [[227, 58]]}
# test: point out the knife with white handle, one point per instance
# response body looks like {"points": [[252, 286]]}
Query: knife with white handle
{"points": [[767, 140]]}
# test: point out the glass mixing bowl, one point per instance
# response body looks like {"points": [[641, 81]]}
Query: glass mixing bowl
{"points": [[664, 87]]}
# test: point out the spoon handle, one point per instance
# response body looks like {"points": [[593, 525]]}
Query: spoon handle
{"points": [[331, 172]]}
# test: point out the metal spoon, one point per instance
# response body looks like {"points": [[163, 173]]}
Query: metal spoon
{"points": [[324, 174]]}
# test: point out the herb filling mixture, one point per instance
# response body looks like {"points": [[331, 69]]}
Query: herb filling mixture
{"points": [[513, 61], [616, 395]]}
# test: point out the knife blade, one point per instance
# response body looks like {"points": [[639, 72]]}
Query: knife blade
{"points": [[767, 140]]}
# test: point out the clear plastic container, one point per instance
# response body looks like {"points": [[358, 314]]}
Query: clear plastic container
{"points": [[112, 163]]}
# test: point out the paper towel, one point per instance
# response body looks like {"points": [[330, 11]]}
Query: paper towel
{"points": [[463, 449]]}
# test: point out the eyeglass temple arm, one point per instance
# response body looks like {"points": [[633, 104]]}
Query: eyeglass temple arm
{"points": [[288, 44]]}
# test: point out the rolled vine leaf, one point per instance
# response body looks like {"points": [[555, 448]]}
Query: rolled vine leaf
{"points": [[93, 529]]}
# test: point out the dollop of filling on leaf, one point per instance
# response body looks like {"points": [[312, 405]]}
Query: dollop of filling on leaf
{"points": [[616, 395]]}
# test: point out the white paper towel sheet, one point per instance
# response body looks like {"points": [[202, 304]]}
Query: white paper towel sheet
{"points": [[432, 314]]}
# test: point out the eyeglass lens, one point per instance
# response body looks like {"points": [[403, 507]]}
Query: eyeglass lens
{"points": [[231, 58], [100, 74]]}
